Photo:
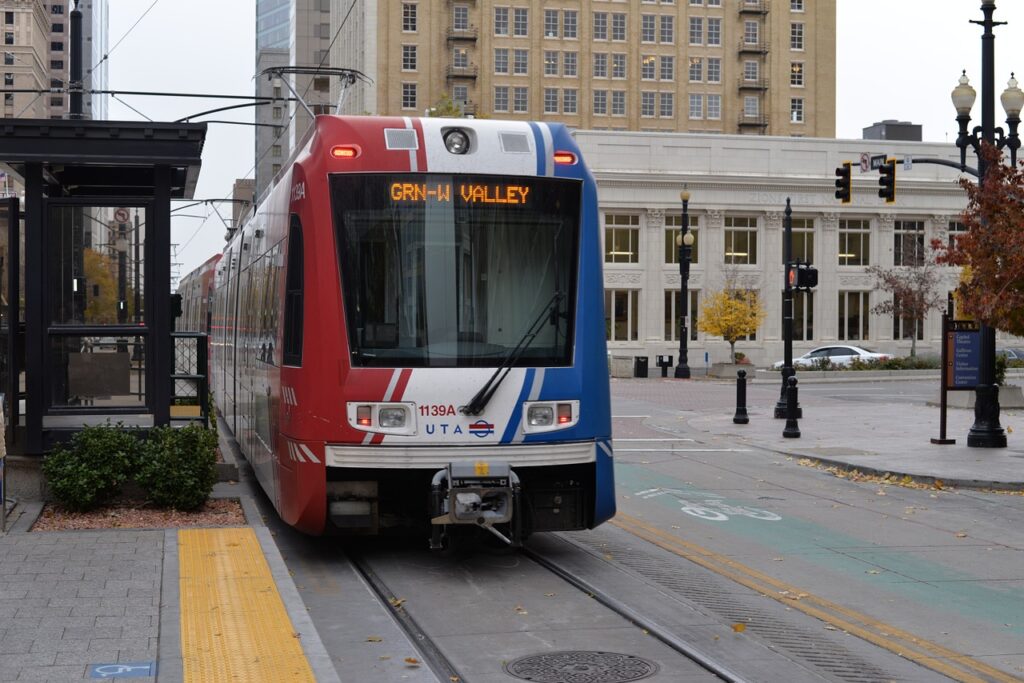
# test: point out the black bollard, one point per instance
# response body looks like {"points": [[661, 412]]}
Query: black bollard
{"points": [[792, 431], [740, 417]]}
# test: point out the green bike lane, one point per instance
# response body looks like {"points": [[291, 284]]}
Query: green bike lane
{"points": [[932, 563]]}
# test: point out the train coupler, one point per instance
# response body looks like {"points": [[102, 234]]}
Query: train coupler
{"points": [[481, 493]]}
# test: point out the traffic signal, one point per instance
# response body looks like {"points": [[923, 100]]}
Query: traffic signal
{"points": [[801, 276], [843, 183], [887, 181]]}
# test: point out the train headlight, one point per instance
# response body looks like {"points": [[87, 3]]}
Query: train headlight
{"points": [[548, 416], [540, 416], [456, 141], [392, 418]]}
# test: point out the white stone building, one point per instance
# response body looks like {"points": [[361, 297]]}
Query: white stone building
{"points": [[738, 188]]}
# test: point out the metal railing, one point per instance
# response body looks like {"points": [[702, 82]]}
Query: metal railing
{"points": [[191, 377]]}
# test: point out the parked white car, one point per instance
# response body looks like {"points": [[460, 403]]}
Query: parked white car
{"points": [[836, 355]]}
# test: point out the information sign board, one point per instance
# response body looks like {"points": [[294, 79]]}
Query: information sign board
{"points": [[963, 342]]}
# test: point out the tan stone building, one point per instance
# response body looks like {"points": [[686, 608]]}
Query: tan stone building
{"points": [[726, 66]]}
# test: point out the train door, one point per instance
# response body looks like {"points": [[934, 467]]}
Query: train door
{"points": [[230, 322]]}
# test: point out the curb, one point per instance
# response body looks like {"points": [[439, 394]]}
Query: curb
{"points": [[972, 484]]}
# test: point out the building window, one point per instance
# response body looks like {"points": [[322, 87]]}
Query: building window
{"points": [[569, 100], [550, 100], [550, 63], [569, 23], [751, 107], [621, 238], [618, 102], [803, 315], [569, 64], [696, 31], [460, 58], [9, 98], [501, 21], [740, 240], [647, 28], [750, 32], [796, 36], [460, 94], [8, 80], [57, 28], [57, 9], [647, 63], [621, 314], [796, 74], [750, 70], [796, 110], [903, 326], [520, 22], [854, 242], [803, 240], [796, 5], [600, 65], [854, 316], [714, 3], [673, 309], [520, 100], [618, 65], [714, 31], [275, 150], [908, 243], [8, 58], [666, 108], [408, 96], [57, 101], [618, 26], [550, 23], [408, 58], [647, 104], [668, 68], [501, 60], [460, 18], [955, 229], [521, 62], [409, 16], [715, 107], [600, 26], [8, 38], [501, 98], [696, 106], [275, 113], [696, 69], [668, 28], [9, 18], [673, 226], [714, 69], [600, 102], [275, 169]]}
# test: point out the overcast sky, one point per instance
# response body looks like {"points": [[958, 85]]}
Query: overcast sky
{"points": [[896, 59]]}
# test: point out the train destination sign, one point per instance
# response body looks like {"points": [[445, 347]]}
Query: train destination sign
{"points": [[469, 193]]}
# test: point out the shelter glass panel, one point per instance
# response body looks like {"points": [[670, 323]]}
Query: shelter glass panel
{"points": [[97, 372]]}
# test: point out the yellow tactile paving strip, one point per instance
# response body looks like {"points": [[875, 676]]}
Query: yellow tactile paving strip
{"points": [[234, 626]]}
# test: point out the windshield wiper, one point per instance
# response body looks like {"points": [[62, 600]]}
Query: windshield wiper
{"points": [[477, 404]]}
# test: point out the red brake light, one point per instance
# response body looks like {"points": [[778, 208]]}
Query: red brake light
{"points": [[565, 158], [564, 413], [344, 151], [363, 416]]}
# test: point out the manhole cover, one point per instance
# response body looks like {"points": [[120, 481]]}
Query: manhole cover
{"points": [[581, 666]]}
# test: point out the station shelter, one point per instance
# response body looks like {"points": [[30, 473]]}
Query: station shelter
{"points": [[85, 270]]}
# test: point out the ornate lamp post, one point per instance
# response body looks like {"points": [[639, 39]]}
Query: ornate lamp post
{"points": [[986, 431], [685, 243]]}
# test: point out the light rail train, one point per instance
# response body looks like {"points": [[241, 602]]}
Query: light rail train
{"points": [[409, 329]]}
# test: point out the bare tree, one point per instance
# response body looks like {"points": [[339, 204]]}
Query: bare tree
{"points": [[916, 286]]}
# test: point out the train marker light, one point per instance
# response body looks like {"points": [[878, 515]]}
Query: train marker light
{"points": [[364, 416], [564, 413], [344, 151], [565, 158]]}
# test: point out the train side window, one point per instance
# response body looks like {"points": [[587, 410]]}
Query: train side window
{"points": [[293, 296]]}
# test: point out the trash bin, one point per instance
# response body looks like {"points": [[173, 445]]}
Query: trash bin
{"points": [[639, 366]]}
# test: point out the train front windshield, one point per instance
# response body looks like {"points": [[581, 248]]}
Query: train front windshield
{"points": [[457, 270]]}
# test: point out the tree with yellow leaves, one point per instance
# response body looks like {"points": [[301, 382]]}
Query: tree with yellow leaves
{"points": [[730, 314]]}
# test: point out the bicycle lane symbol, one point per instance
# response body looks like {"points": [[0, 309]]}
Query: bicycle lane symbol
{"points": [[123, 670], [712, 508]]}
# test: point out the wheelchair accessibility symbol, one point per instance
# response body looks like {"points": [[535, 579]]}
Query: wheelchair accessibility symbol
{"points": [[123, 670]]}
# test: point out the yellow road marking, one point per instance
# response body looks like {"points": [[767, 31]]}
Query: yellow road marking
{"points": [[234, 626], [948, 662]]}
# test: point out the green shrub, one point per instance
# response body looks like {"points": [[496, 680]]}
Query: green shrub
{"points": [[1000, 369], [90, 470], [178, 467]]}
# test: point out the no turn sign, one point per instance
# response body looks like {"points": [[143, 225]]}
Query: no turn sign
{"points": [[121, 215]]}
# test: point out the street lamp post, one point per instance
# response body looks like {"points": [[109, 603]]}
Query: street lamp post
{"points": [[685, 244], [986, 431]]}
